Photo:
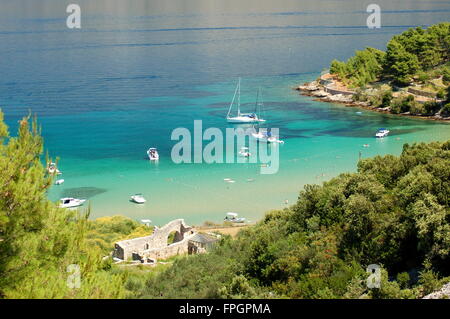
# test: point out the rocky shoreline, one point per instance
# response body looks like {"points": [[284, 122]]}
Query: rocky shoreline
{"points": [[320, 91]]}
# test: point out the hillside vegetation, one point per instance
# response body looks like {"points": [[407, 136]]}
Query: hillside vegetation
{"points": [[417, 58], [393, 212]]}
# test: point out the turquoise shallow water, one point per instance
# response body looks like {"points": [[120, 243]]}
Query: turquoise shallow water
{"points": [[321, 141], [133, 73]]}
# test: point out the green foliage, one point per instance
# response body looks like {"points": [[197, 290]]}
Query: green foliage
{"points": [[446, 76], [394, 212], [38, 240], [406, 104], [417, 49], [399, 63], [407, 54], [364, 67], [105, 231], [381, 98], [431, 108], [403, 280], [445, 111]]}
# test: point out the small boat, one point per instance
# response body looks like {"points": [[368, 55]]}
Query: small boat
{"points": [[59, 181], [138, 198], [382, 132], [244, 152], [242, 118], [146, 222], [233, 217], [69, 202], [265, 135], [52, 169], [153, 154]]}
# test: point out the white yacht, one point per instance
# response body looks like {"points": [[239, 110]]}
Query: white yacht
{"points": [[265, 135], [138, 198], [244, 152], [59, 181], [52, 169], [382, 132], [69, 202], [233, 217], [242, 118], [153, 154]]}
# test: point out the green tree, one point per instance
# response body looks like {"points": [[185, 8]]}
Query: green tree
{"points": [[399, 63], [38, 240]]}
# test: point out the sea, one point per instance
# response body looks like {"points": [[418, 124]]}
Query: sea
{"points": [[137, 70]]}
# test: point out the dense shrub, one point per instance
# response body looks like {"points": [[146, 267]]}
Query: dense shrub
{"points": [[394, 211]]}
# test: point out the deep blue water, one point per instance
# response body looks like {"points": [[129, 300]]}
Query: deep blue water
{"points": [[138, 69]]}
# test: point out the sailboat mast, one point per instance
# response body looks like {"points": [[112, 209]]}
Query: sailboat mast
{"points": [[239, 97], [257, 101], [232, 101]]}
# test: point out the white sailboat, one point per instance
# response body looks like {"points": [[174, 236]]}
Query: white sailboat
{"points": [[242, 118]]}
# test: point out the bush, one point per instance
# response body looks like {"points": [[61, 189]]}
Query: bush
{"points": [[445, 111], [446, 76], [431, 108]]}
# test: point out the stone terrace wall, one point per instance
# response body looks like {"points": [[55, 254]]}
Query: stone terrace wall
{"points": [[334, 91], [422, 93], [157, 241]]}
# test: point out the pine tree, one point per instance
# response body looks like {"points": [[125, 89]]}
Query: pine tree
{"points": [[38, 240]]}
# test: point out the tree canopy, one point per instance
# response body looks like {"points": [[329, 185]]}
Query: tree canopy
{"points": [[414, 50], [38, 240]]}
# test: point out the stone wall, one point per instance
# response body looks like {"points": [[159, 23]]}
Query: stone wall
{"points": [[335, 92], [156, 245], [422, 93]]}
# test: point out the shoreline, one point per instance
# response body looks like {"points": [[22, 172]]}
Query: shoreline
{"points": [[321, 93]]}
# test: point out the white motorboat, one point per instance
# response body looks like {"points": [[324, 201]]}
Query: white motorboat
{"points": [[52, 169], [382, 132], [153, 154], [59, 181], [244, 152], [265, 135], [242, 118], [69, 202], [138, 198], [233, 217]]}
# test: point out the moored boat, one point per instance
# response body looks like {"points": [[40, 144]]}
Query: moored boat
{"points": [[153, 154], [382, 132], [69, 202], [138, 198], [242, 118], [233, 217]]}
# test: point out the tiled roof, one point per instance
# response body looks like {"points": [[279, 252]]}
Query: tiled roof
{"points": [[202, 238]]}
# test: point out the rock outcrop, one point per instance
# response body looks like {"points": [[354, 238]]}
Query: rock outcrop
{"points": [[443, 293]]}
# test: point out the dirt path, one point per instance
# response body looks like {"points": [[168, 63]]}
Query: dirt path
{"points": [[230, 230]]}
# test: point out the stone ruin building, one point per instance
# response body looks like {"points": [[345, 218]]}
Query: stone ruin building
{"points": [[155, 246]]}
